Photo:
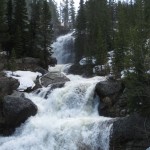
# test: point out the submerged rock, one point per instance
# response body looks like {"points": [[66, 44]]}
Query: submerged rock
{"points": [[130, 133], [17, 109]]}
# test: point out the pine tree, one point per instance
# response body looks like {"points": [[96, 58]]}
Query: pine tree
{"points": [[101, 55], [46, 34], [22, 24], [65, 13], [4, 36], [54, 14], [80, 34], [18, 42], [35, 24], [10, 22], [138, 83], [121, 38], [72, 14]]}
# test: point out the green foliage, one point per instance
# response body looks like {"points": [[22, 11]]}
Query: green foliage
{"points": [[80, 34], [4, 36], [45, 34], [138, 93], [72, 14]]}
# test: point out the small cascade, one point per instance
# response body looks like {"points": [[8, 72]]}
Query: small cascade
{"points": [[67, 119], [64, 49]]}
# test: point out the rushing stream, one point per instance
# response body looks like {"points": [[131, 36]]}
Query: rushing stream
{"points": [[67, 119]]}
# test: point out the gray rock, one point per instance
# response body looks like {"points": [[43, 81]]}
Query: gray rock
{"points": [[109, 87], [77, 69], [17, 109], [109, 93], [7, 86], [41, 70], [18, 94], [53, 78], [131, 133]]}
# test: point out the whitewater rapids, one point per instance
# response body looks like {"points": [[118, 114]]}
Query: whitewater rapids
{"points": [[67, 119]]}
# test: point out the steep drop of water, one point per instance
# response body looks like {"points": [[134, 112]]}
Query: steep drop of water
{"points": [[64, 49], [66, 120]]}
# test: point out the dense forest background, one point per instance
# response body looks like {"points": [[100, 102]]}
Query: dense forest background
{"points": [[28, 28], [124, 29]]}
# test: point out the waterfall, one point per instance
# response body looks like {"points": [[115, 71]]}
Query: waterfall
{"points": [[63, 49], [67, 117]]}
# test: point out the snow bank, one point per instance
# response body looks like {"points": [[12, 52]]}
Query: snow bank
{"points": [[26, 78]]}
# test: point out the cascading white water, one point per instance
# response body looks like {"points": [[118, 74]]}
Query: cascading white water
{"points": [[64, 49], [67, 118]]}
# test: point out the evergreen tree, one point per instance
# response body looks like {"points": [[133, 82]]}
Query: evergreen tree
{"points": [[10, 23], [22, 26], [18, 42], [65, 13], [80, 34], [54, 13], [101, 55], [46, 34], [121, 40], [35, 24], [138, 83], [4, 36], [72, 14]]}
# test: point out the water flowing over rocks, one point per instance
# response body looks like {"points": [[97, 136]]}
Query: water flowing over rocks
{"points": [[67, 119], [64, 49]]}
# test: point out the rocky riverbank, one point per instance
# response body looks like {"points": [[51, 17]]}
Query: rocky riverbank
{"points": [[130, 131]]}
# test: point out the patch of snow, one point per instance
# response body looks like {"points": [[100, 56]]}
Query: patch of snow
{"points": [[98, 68], [26, 78], [3, 53], [124, 72], [84, 60]]}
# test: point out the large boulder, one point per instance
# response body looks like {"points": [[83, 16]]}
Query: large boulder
{"points": [[41, 70], [54, 78], [110, 92], [108, 87], [7, 85], [17, 109], [84, 70], [130, 133]]}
